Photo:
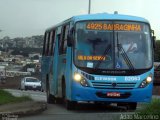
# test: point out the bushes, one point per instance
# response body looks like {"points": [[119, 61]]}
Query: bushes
{"points": [[6, 97], [149, 111]]}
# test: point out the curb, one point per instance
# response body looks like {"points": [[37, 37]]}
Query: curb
{"points": [[156, 96], [34, 108]]}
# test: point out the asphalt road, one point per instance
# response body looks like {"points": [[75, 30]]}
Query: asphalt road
{"points": [[83, 111]]}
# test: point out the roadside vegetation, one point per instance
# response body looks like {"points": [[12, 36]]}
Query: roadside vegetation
{"points": [[6, 97], [157, 51], [152, 108], [149, 111]]}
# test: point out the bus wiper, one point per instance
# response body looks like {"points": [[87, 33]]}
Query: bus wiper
{"points": [[125, 57], [124, 54], [102, 57]]}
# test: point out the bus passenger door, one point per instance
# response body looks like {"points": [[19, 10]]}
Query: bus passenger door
{"points": [[62, 59], [51, 54], [45, 60], [54, 82]]}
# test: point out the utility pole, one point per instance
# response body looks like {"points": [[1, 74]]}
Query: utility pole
{"points": [[89, 7]]}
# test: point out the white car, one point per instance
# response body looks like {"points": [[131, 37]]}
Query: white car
{"points": [[30, 83]]}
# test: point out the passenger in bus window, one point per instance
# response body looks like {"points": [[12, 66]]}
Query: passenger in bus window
{"points": [[132, 46], [82, 36], [129, 45]]}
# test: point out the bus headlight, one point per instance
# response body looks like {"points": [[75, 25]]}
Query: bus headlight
{"points": [[148, 79], [84, 83], [145, 82], [79, 78]]}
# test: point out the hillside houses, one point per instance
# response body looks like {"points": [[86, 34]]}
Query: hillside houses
{"points": [[32, 42]]}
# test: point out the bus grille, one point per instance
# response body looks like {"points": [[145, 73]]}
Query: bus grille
{"points": [[109, 85]]}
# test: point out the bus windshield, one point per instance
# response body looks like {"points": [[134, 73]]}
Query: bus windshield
{"points": [[113, 45]]}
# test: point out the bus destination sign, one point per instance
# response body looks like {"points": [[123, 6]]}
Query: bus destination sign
{"points": [[110, 27]]}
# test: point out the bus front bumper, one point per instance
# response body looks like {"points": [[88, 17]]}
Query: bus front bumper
{"points": [[80, 93]]}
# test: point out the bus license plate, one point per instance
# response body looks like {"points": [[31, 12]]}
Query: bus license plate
{"points": [[113, 94]]}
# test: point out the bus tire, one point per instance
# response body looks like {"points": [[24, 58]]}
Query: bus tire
{"points": [[132, 106], [129, 106], [50, 98], [70, 105]]}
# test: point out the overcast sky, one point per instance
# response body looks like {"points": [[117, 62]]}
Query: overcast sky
{"points": [[21, 18]]}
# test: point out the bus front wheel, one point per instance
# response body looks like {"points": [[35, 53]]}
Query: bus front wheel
{"points": [[129, 106], [70, 105], [132, 106]]}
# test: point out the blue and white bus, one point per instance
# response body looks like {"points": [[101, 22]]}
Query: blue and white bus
{"points": [[102, 57]]}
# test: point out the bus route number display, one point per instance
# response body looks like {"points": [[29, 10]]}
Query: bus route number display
{"points": [[92, 58], [110, 27]]}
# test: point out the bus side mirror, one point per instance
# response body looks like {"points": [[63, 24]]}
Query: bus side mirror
{"points": [[153, 39], [69, 41], [70, 38]]}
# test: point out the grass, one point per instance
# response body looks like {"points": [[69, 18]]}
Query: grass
{"points": [[6, 97], [149, 111], [152, 108]]}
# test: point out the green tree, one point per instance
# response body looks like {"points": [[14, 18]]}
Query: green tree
{"points": [[157, 51]]}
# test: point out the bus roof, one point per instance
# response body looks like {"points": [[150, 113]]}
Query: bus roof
{"points": [[106, 16], [101, 16]]}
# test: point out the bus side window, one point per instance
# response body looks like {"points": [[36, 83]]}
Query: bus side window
{"points": [[51, 42], [63, 42], [46, 46], [58, 36], [65, 39], [54, 43]]}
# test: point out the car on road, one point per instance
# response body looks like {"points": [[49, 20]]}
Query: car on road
{"points": [[30, 83]]}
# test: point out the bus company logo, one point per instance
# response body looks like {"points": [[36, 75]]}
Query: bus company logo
{"points": [[114, 84], [112, 79]]}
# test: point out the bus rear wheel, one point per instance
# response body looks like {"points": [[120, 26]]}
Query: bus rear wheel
{"points": [[50, 98]]}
